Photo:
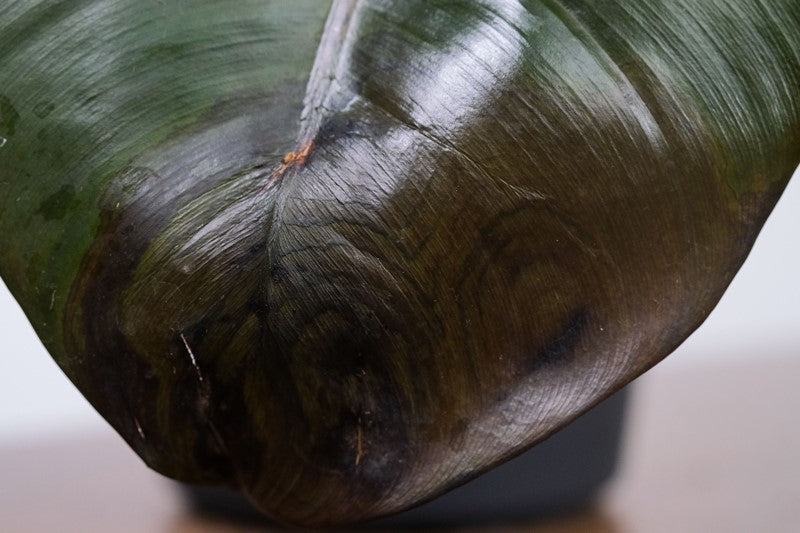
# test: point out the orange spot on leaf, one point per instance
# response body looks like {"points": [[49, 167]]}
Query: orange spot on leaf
{"points": [[304, 153], [291, 159]]}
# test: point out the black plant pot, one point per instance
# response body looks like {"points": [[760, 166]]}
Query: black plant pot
{"points": [[560, 474]]}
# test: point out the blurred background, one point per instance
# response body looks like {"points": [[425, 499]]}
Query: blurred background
{"points": [[716, 417]]}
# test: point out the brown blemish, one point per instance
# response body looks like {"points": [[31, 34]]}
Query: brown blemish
{"points": [[304, 153], [296, 159]]}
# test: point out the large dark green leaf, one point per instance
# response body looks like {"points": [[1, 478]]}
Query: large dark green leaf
{"points": [[495, 214]]}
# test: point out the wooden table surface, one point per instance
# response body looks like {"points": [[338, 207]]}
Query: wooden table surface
{"points": [[713, 448]]}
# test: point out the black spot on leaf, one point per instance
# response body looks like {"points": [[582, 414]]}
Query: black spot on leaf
{"points": [[43, 109], [55, 206], [8, 117]]}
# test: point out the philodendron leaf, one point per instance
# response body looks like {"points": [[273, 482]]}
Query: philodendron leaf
{"points": [[492, 215]]}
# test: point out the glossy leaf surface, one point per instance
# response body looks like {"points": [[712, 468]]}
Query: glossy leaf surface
{"points": [[494, 214]]}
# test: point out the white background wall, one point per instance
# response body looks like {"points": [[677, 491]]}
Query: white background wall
{"points": [[758, 317]]}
